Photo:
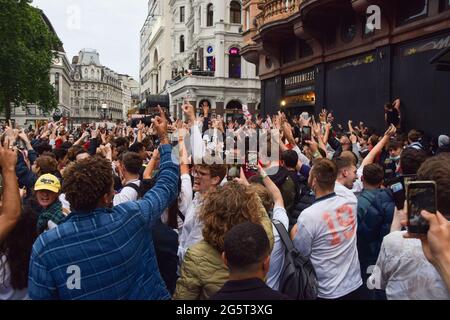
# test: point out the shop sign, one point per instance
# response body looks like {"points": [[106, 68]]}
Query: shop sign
{"points": [[299, 79]]}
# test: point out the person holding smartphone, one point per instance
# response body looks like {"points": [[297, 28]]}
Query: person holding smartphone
{"points": [[402, 268]]}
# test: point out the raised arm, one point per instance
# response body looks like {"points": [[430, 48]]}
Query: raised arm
{"points": [[272, 188], [11, 197], [370, 158], [165, 190], [148, 173]]}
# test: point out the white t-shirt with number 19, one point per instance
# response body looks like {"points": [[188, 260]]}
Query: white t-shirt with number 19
{"points": [[327, 235]]}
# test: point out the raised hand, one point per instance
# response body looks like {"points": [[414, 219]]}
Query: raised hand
{"points": [[189, 110], [160, 125], [8, 158], [391, 131]]}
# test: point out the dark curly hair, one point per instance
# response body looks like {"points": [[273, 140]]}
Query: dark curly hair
{"points": [[17, 249], [226, 207], [86, 181]]}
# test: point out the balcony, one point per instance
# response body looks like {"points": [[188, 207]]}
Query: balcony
{"points": [[180, 86], [276, 10]]}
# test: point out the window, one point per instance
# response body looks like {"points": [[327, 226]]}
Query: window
{"points": [[411, 10], [181, 43], [348, 28], [57, 85], [211, 63], [209, 15], [182, 14], [234, 63], [235, 12]]}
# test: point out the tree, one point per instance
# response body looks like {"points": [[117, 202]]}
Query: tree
{"points": [[26, 54]]}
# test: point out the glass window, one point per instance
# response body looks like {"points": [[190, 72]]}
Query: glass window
{"points": [[210, 15], [181, 43], [348, 28], [235, 12], [211, 63], [234, 63], [182, 14]]}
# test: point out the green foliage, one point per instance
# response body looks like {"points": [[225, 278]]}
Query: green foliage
{"points": [[26, 53]]}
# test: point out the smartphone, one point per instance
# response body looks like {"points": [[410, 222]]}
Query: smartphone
{"points": [[234, 172], [399, 193], [421, 195], [306, 134], [253, 160]]}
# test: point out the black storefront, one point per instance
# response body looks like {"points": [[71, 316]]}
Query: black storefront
{"points": [[358, 87], [425, 91], [299, 92]]}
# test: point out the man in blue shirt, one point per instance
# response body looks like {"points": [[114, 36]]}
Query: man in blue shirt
{"points": [[99, 252]]}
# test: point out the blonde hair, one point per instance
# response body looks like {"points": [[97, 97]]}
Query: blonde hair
{"points": [[264, 196], [226, 207]]}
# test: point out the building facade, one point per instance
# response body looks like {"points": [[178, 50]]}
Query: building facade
{"points": [[325, 53], [60, 71], [155, 69], [207, 64], [130, 94], [96, 91]]}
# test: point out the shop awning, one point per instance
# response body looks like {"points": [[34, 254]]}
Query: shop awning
{"points": [[442, 60]]}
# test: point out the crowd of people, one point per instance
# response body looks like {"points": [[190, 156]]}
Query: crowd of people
{"points": [[186, 209]]}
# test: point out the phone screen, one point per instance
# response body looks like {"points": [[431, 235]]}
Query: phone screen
{"points": [[399, 195], [253, 161], [421, 196], [306, 134]]}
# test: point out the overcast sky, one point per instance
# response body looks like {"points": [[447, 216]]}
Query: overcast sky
{"points": [[110, 26]]}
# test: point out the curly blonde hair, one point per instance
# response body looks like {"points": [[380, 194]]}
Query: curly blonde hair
{"points": [[226, 207]]}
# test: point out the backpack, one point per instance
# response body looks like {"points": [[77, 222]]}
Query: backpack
{"points": [[146, 185], [142, 189], [303, 199], [298, 278]]}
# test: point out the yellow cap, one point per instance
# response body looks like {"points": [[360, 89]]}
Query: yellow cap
{"points": [[48, 182]]}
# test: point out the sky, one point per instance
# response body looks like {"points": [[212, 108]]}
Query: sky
{"points": [[110, 26]]}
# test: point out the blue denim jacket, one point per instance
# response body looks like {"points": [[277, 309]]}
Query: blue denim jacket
{"points": [[107, 253]]}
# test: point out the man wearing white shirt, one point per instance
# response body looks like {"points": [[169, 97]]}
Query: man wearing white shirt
{"points": [[347, 175], [206, 177], [326, 233], [129, 169]]}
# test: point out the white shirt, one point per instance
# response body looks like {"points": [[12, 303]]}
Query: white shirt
{"points": [[6, 291], [192, 228], [327, 235], [404, 272], [65, 204], [277, 255], [358, 185], [127, 193], [344, 192]]}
